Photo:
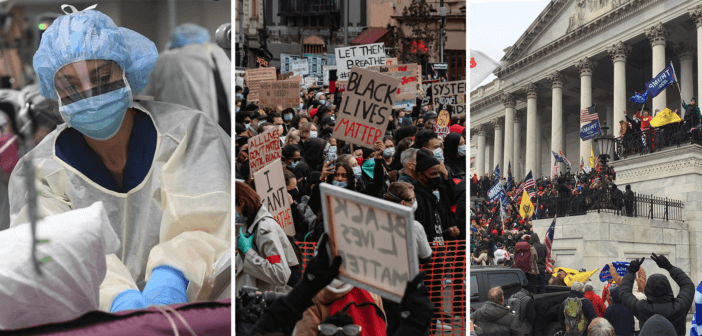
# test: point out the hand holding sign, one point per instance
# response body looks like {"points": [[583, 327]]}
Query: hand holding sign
{"points": [[319, 272], [620, 266]]}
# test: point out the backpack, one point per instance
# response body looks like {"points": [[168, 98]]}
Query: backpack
{"points": [[522, 256], [361, 306], [295, 271], [515, 304], [575, 322]]}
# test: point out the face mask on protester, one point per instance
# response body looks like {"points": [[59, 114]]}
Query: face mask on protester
{"points": [[239, 95], [360, 161], [238, 109], [414, 206], [436, 193], [313, 134], [389, 152], [357, 172], [287, 117], [302, 105], [339, 184], [462, 150], [439, 154], [433, 182], [293, 165]]}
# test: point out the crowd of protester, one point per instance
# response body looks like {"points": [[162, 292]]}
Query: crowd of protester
{"points": [[412, 166]]}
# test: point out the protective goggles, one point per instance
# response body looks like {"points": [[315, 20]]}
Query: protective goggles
{"points": [[348, 330]]}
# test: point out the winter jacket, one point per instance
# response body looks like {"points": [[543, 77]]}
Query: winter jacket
{"points": [[588, 310], [534, 257], [620, 317], [268, 269], [658, 325], [596, 302], [540, 251], [527, 311], [496, 320], [434, 214], [660, 298]]}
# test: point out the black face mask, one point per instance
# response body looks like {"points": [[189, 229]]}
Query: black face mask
{"points": [[433, 183], [295, 194]]}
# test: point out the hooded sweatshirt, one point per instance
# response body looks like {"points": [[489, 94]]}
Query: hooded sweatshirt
{"points": [[658, 325], [620, 317], [540, 251], [660, 299], [496, 320]]}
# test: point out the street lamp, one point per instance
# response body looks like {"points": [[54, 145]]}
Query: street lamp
{"points": [[603, 145]]}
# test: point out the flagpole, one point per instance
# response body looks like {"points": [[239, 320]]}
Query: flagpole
{"points": [[682, 109]]}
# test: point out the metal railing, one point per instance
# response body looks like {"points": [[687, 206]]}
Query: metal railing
{"points": [[606, 200], [657, 138]]}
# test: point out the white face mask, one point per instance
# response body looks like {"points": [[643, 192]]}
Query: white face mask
{"points": [[414, 206], [313, 134]]}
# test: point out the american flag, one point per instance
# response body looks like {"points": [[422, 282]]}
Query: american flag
{"points": [[554, 171], [581, 163], [528, 183], [549, 243], [532, 194], [565, 158], [588, 114], [597, 163]]}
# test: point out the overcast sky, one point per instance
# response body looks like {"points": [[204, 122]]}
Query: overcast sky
{"points": [[496, 25]]}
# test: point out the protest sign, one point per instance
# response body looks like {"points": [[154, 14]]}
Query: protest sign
{"points": [[622, 268], [254, 77], [391, 61], [450, 96], [341, 85], [426, 87], [297, 78], [284, 76], [365, 108], [264, 149], [279, 93], [315, 63], [261, 62], [270, 185], [590, 130], [310, 82], [326, 69], [436, 71], [442, 124], [331, 59], [361, 56], [410, 82], [299, 67], [285, 60], [370, 235]]}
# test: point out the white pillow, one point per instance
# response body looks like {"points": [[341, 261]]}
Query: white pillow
{"points": [[71, 278]]}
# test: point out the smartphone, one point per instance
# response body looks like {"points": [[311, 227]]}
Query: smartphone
{"points": [[331, 158]]}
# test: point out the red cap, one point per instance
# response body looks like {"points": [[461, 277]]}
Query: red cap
{"points": [[494, 232], [456, 129], [521, 221], [313, 112]]}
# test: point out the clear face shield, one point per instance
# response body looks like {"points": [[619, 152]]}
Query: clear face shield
{"points": [[94, 96]]}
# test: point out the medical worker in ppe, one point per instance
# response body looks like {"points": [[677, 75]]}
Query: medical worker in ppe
{"points": [[161, 170], [194, 73]]}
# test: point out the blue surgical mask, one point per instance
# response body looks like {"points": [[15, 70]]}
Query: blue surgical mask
{"points": [[239, 95], [436, 193], [99, 117], [339, 184], [313, 134], [332, 150], [462, 150], [237, 215], [238, 109], [439, 154], [389, 152], [287, 117], [302, 105], [294, 164], [323, 102], [357, 172]]}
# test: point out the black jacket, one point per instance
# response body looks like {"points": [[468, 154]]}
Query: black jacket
{"points": [[461, 221], [659, 298], [496, 320], [540, 251], [588, 309], [527, 310], [434, 215], [620, 317], [657, 325]]}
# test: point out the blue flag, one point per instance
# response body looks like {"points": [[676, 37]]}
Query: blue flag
{"points": [[657, 84], [497, 173], [639, 98], [622, 268], [496, 192], [509, 175], [590, 130]]}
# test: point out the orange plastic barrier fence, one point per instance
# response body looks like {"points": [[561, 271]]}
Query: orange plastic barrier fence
{"points": [[446, 281]]}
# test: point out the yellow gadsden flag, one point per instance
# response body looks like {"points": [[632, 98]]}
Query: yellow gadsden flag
{"points": [[574, 275], [665, 117], [526, 209], [592, 158]]}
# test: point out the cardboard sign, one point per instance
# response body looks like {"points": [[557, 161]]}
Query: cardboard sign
{"points": [[362, 56], [284, 76], [426, 87], [254, 77], [326, 69], [261, 62], [299, 67], [371, 236], [365, 108], [450, 96], [270, 185], [310, 82], [280, 93], [264, 149], [410, 82], [391, 61], [297, 78], [442, 124]]}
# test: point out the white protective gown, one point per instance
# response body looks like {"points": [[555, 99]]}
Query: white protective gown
{"points": [[179, 215], [185, 76]]}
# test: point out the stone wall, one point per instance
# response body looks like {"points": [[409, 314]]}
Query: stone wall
{"points": [[594, 240]]}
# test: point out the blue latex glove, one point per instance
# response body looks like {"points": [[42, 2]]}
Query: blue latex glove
{"points": [[131, 299], [166, 286], [245, 241]]}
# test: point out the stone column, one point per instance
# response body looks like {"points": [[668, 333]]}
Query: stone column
{"points": [[686, 52], [508, 100], [480, 157], [585, 66], [696, 15], [499, 125], [657, 36], [531, 91], [557, 79], [489, 165], [619, 52], [518, 172], [539, 139]]}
